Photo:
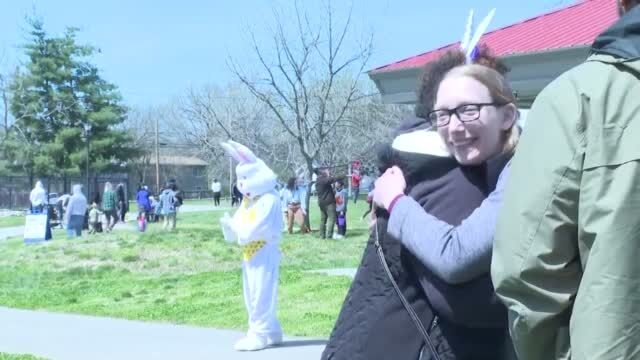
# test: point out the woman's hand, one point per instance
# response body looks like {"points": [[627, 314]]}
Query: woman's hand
{"points": [[388, 187]]}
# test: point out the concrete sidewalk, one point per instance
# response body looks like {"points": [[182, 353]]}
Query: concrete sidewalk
{"points": [[11, 232], [19, 230], [131, 217], [66, 336]]}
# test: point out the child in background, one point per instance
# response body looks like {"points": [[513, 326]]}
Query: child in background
{"points": [[153, 214], [342, 197], [142, 222], [94, 219]]}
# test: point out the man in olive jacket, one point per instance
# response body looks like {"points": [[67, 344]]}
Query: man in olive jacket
{"points": [[326, 201], [566, 258]]}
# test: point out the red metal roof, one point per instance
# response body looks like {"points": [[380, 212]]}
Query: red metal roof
{"points": [[571, 26]]}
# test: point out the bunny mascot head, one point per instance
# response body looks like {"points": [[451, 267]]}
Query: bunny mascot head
{"points": [[254, 176]]}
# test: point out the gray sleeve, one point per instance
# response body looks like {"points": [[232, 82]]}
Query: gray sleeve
{"points": [[456, 254]]}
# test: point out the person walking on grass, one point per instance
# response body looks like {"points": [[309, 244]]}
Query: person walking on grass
{"points": [[38, 198], [236, 195], [168, 206], [216, 188], [326, 202], [94, 219], [109, 206], [76, 211], [40, 203], [123, 202], [143, 201], [356, 178], [342, 198]]}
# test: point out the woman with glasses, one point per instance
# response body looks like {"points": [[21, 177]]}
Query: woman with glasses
{"points": [[443, 187], [475, 115]]}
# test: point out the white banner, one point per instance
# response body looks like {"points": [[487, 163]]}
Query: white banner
{"points": [[35, 228]]}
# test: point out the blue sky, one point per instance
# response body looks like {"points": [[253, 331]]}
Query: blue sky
{"points": [[154, 50]]}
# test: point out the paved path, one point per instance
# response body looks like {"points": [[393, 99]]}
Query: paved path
{"points": [[19, 230], [131, 216], [65, 336], [11, 232]]}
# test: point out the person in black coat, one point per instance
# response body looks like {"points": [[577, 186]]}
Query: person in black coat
{"points": [[122, 202], [236, 196], [464, 321]]}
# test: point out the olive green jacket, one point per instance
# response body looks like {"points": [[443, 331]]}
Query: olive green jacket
{"points": [[566, 257]]}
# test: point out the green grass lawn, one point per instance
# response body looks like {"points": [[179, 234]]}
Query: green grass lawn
{"points": [[4, 356], [224, 201], [190, 276], [11, 221]]}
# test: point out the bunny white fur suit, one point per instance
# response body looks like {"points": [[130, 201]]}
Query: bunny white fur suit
{"points": [[257, 228]]}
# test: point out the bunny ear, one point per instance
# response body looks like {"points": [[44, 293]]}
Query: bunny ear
{"points": [[231, 151], [478, 34], [246, 155], [467, 32]]}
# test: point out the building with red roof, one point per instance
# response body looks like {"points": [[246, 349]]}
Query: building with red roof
{"points": [[537, 50]]}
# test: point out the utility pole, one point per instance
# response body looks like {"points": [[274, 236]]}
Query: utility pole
{"points": [[157, 158], [87, 170], [349, 172], [87, 134]]}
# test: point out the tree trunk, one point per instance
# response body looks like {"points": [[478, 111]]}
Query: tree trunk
{"points": [[308, 196]]}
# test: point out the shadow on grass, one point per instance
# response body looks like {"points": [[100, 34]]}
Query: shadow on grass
{"points": [[357, 233]]}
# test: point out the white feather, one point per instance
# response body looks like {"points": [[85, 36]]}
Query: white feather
{"points": [[479, 31], [467, 32]]}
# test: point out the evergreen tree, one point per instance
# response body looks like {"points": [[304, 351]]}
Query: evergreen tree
{"points": [[54, 98]]}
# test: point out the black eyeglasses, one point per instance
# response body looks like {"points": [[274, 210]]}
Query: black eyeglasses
{"points": [[465, 113]]}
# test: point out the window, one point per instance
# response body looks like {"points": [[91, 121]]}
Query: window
{"points": [[198, 171]]}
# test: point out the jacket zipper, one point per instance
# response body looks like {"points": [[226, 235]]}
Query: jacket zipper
{"points": [[434, 323]]}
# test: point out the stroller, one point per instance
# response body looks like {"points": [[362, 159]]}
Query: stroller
{"points": [[55, 216]]}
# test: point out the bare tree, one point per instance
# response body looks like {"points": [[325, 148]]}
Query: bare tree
{"points": [[4, 103], [206, 118], [4, 100], [368, 122], [212, 115], [301, 76], [141, 125]]}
